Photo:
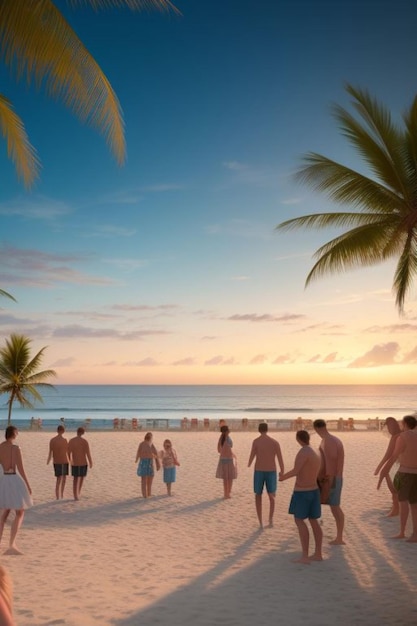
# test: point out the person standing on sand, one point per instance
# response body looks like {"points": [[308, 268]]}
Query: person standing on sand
{"points": [[394, 430], [15, 491], [305, 501], [58, 451], [79, 455], [405, 480], [226, 467], [265, 449], [146, 455], [170, 462], [332, 462]]}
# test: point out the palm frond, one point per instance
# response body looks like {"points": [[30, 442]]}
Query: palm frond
{"points": [[410, 146], [346, 186], [140, 5], [4, 293], [37, 42], [19, 149], [360, 246], [328, 220], [405, 271]]}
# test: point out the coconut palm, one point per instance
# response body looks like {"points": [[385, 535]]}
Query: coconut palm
{"points": [[383, 224], [19, 373], [38, 44]]}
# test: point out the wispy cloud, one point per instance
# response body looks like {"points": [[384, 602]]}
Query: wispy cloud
{"points": [[265, 317], [77, 331], [148, 362], [392, 328], [187, 361], [38, 208], [379, 355], [245, 174], [259, 359]]}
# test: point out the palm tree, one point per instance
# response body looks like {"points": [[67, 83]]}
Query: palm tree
{"points": [[384, 222], [38, 44], [19, 375]]}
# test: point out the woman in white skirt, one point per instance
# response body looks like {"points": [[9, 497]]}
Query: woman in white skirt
{"points": [[15, 491]]}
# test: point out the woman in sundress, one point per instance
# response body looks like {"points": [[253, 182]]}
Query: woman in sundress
{"points": [[15, 491], [226, 468]]}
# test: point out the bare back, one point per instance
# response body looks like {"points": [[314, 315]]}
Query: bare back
{"points": [[79, 451], [307, 465], [407, 444], [334, 455], [58, 446], [265, 450]]}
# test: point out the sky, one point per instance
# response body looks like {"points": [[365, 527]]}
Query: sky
{"points": [[169, 270]]}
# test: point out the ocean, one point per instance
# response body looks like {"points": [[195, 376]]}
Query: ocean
{"points": [[102, 403]]}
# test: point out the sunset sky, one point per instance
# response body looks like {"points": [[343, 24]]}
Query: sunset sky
{"points": [[169, 270]]}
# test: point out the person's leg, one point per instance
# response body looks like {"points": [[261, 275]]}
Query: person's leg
{"points": [[150, 480], [80, 484], [57, 486], [16, 524], [413, 537], [403, 519], [339, 517], [395, 508], [169, 488], [75, 487], [63, 481], [144, 487], [271, 497], [3, 518], [304, 540], [318, 540], [258, 505]]}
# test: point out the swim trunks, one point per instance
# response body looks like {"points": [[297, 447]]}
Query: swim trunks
{"points": [[145, 467], [335, 491], [79, 471], [261, 478], [61, 469], [406, 485], [305, 504]]}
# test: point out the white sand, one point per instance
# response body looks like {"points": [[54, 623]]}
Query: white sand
{"points": [[194, 559]]}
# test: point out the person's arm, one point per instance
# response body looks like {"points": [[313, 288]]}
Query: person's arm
{"points": [[340, 459], [19, 465], [219, 446], [252, 455], [298, 464], [48, 460], [174, 454], [88, 454], [155, 456], [137, 454], [280, 459], [398, 448], [388, 453]]}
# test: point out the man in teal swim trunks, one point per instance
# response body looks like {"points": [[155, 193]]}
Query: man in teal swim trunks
{"points": [[305, 501], [266, 450]]}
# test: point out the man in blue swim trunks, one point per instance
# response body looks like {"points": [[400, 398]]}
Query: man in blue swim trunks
{"points": [[332, 458], [265, 449], [305, 501]]}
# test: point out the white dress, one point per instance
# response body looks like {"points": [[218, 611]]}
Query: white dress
{"points": [[13, 492]]}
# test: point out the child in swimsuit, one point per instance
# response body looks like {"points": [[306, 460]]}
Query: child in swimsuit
{"points": [[169, 462]]}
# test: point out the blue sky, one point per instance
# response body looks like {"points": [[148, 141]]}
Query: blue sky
{"points": [[168, 270]]}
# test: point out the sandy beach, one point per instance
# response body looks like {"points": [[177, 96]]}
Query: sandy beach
{"points": [[195, 559]]}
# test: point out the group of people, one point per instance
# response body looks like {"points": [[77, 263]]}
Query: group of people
{"points": [[319, 478], [310, 469]]}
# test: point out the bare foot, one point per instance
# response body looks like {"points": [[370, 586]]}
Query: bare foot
{"points": [[412, 539], [304, 560], [393, 513], [399, 536], [270, 524], [12, 550], [337, 542], [315, 557]]}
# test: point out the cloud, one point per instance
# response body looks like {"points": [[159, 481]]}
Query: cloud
{"points": [[216, 360], [187, 361], [39, 208], [76, 331], [259, 359], [392, 328], [314, 359], [265, 317], [110, 230], [330, 358], [379, 355], [34, 268], [283, 358], [243, 173], [148, 362], [64, 362], [144, 307], [410, 357]]}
